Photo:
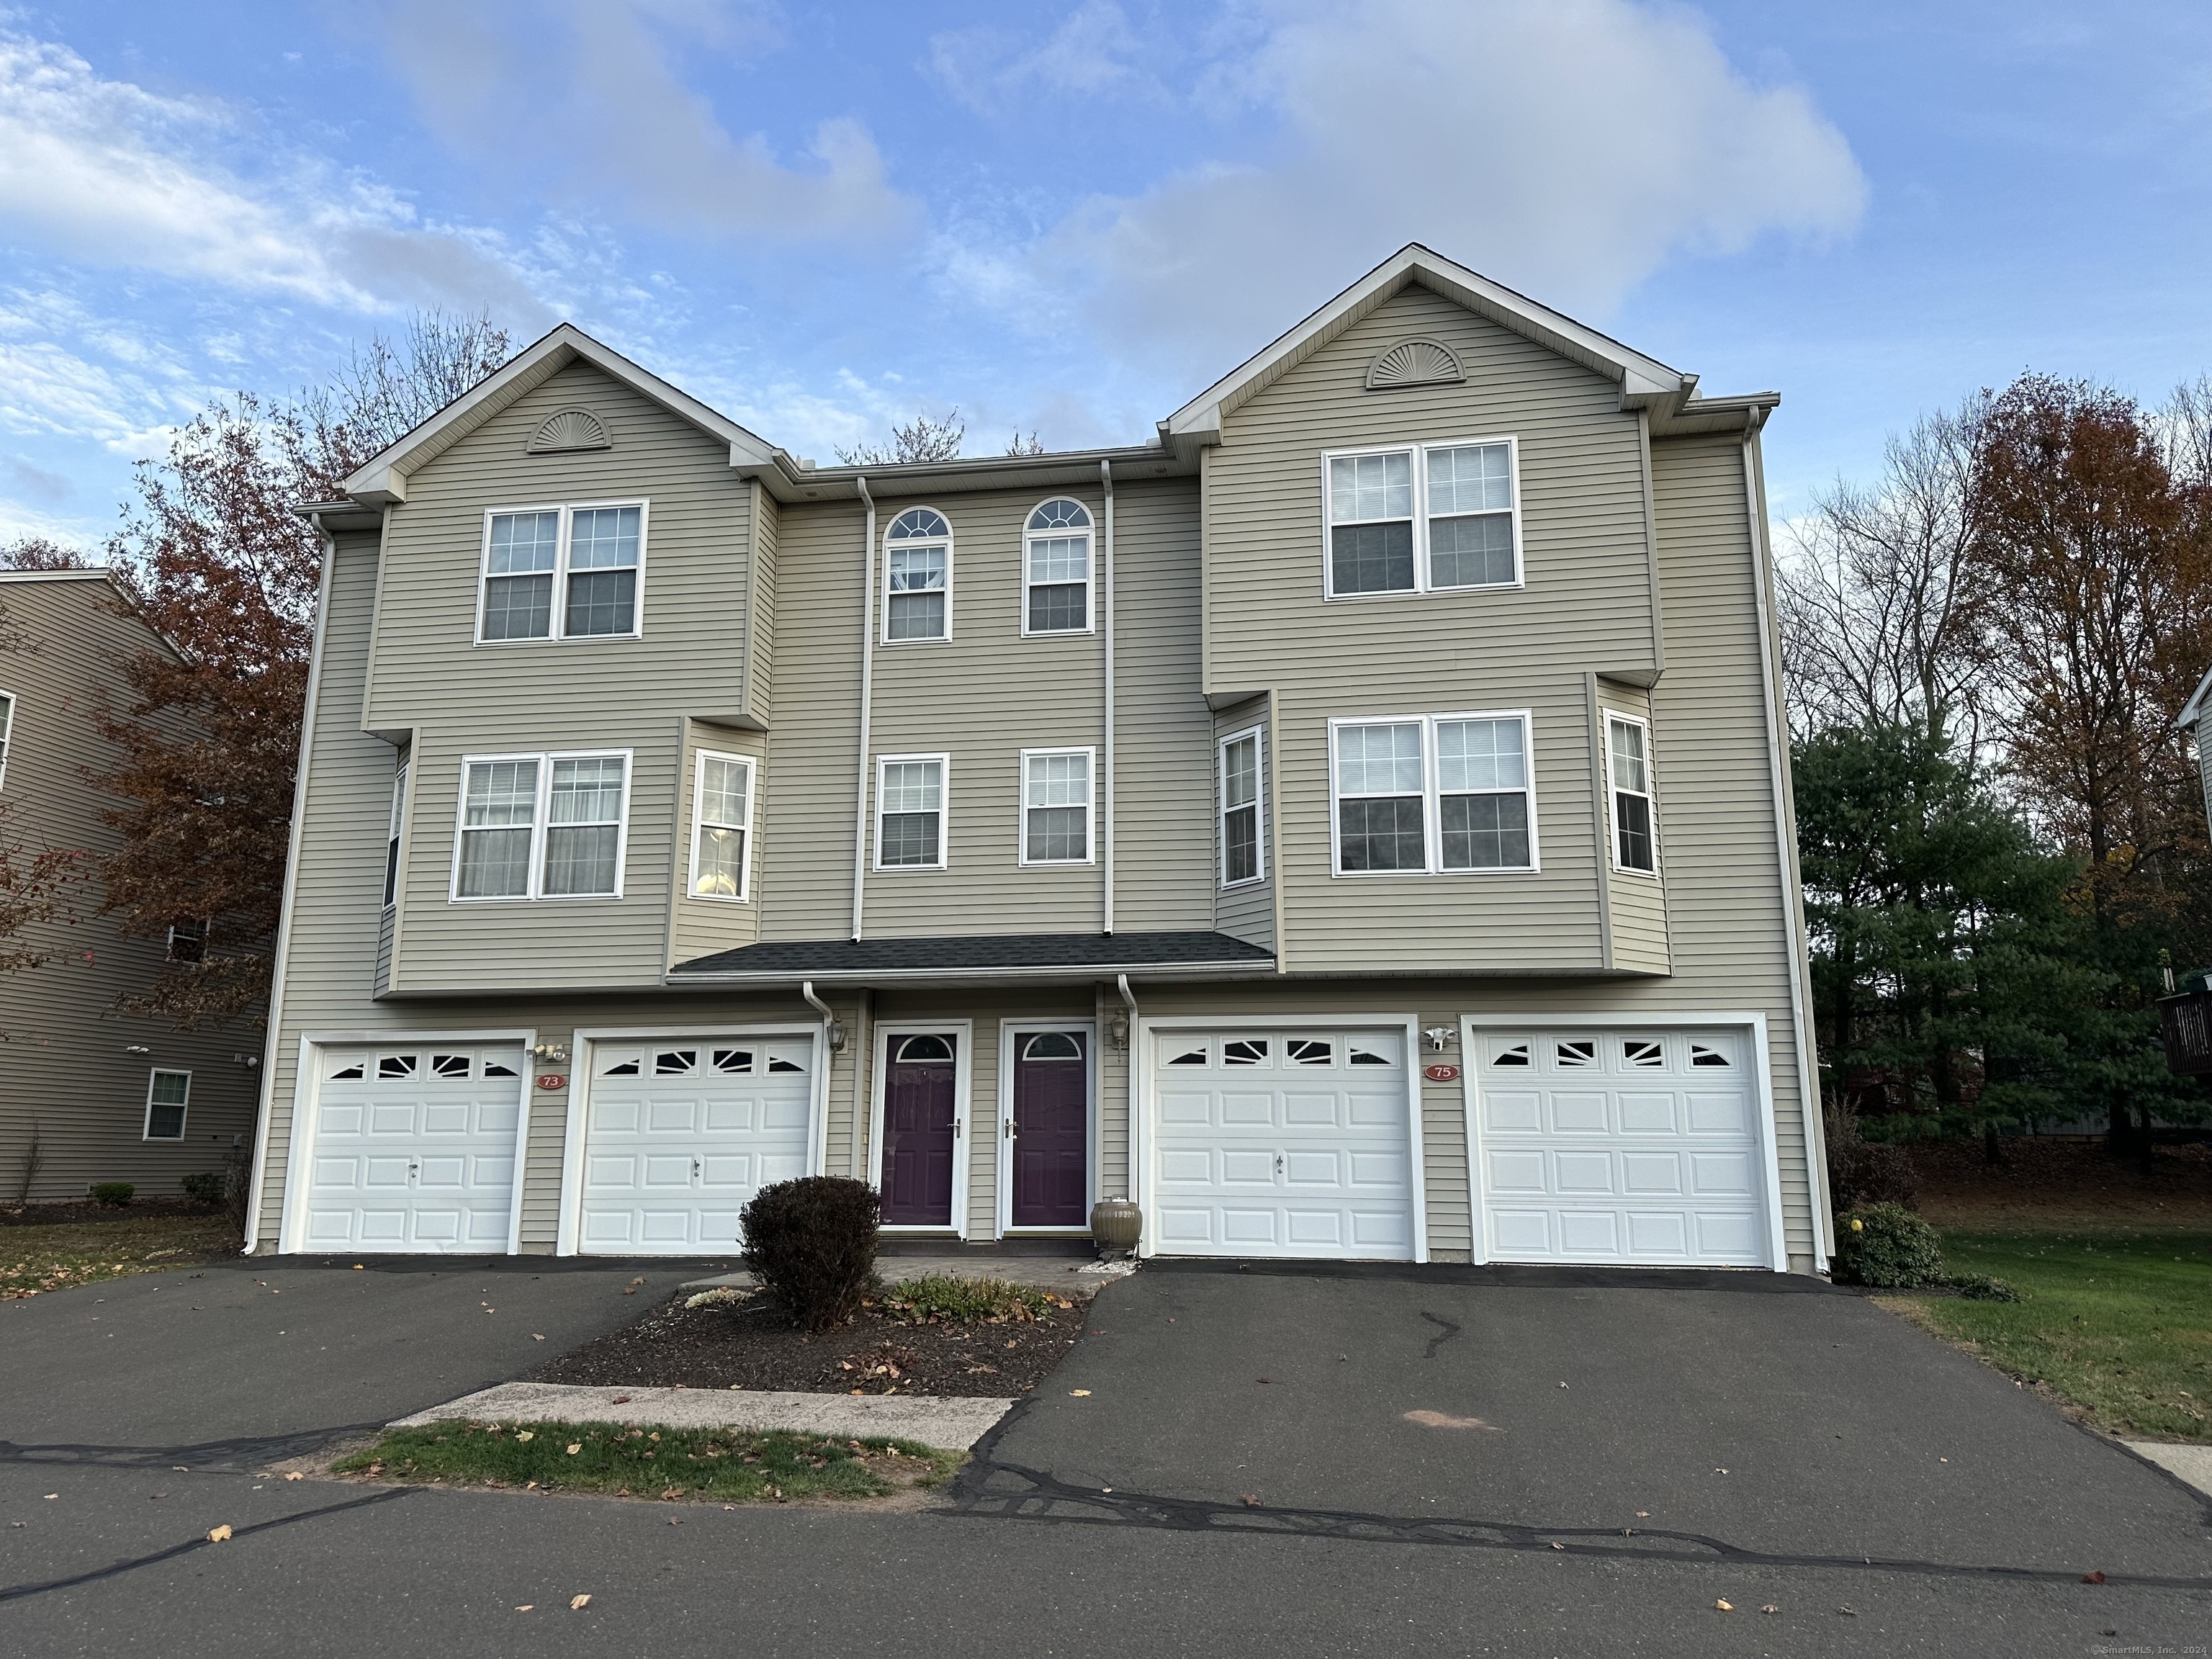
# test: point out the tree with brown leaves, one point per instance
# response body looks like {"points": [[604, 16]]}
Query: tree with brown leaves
{"points": [[217, 559]]}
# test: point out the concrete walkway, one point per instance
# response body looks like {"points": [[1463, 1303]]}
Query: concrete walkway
{"points": [[949, 1425], [2189, 1463], [1064, 1275]]}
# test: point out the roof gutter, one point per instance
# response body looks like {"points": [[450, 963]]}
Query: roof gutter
{"points": [[1069, 974]]}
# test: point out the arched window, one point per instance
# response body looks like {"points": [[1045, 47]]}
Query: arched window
{"points": [[918, 576], [1056, 569], [923, 1049], [1053, 1045]]}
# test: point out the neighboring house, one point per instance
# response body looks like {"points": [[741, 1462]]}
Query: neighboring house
{"points": [[1354, 824], [2186, 1017], [89, 1093]]}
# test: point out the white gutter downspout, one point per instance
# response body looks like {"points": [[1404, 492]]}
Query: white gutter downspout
{"points": [[867, 685], [1106, 621], [1808, 1077]]}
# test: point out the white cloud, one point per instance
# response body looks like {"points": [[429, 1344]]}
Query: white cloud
{"points": [[1570, 148], [102, 173], [1094, 52], [587, 94]]}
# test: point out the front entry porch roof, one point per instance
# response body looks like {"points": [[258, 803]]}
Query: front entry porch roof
{"points": [[1068, 956]]}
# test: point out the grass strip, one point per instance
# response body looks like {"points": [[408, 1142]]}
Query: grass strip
{"points": [[730, 1465], [2119, 1324], [38, 1259]]}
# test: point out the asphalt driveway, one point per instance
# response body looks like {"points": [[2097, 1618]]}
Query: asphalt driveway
{"points": [[135, 1415]]}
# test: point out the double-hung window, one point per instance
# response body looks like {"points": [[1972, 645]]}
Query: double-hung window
{"points": [[168, 1095], [1423, 518], [1435, 794], [918, 576], [721, 826], [910, 811], [1056, 802], [542, 826], [1628, 763], [562, 572], [7, 730], [1243, 853], [1056, 568], [392, 836]]}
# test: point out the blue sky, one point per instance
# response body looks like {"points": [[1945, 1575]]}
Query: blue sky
{"points": [[1067, 215]]}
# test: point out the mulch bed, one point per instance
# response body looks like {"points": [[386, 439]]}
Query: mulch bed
{"points": [[75, 1211], [754, 1346], [2047, 1179]]}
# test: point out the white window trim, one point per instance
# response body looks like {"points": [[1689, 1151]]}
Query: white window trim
{"points": [[1011, 1034], [538, 826], [1613, 789], [147, 1125], [1090, 579], [698, 825], [1431, 813], [1090, 813], [963, 1032], [11, 704], [395, 848], [568, 510], [1419, 451], [1258, 735], [944, 812], [951, 543]]}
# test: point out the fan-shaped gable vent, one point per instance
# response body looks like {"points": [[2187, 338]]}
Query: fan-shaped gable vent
{"points": [[1413, 363], [571, 429]]}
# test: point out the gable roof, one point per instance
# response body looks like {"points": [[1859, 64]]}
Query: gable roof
{"points": [[2194, 708], [382, 482], [1644, 382]]}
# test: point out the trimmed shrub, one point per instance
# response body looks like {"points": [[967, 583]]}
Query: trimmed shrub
{"points": [[1980, 1287], [812, 1243], [1887, 1247], [116, 1193], [205, 1185]]}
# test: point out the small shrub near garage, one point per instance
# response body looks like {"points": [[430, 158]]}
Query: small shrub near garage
{"points": [[1886, 1246], [116, 1194], [949, 1300], [204, 1185], [812, 1243]]}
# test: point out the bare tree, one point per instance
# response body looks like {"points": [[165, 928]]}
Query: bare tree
{"points": [[921, 438], [1881, 596], [1019, 445]]}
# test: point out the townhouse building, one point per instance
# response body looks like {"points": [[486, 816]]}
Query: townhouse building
{"points": [[1354, 824]]}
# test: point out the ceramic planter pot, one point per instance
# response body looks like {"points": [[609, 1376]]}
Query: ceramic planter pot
{"points": [[1114, 1225]]}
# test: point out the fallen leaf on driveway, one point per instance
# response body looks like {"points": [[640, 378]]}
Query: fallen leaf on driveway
{"points": [[1429, 1419], [527, 1606], [51, 1496], [1770, 1607], [2092, 1578], [1559, 1547], [578, 1603], [534, 1337], [1251, 1500], [1080, 1394], [1643, 1515], [219, 1534], [1724, 1606], [295, 1475]]}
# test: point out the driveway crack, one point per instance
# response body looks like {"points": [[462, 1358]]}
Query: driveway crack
{"points": [[1450, 1331]]}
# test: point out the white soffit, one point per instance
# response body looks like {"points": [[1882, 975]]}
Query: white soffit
{"points": [[383, 481]]}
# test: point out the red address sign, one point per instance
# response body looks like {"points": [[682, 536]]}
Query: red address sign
{"points": [[1442, 1073], [552, 1080]]}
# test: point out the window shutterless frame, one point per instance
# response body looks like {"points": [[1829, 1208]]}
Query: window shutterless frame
{"points": [[168, 1091], [1439, 496], [560, 570], [6, 730], [921, 793], [717, 814], [917, 555], [540, 827], [1060, 561], [1631, 795], [392, 840], [1435, 791], [1240, 807], [1058, 783]]}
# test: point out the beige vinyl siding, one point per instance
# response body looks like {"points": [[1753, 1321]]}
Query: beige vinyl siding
{"points": [[1586, 605], [1164, 762], [69, 1082], [760, 613], [1729, 904], [545, 696], [806, 816], [701, 926], [1246, 911], [1638, 903]]}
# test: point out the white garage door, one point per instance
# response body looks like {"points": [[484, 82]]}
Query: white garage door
{"points": [[1623, 1145], [414, 1148], [681, 1132], [1273, 1143]]}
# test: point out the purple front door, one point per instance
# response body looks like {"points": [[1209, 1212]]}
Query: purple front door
{"points": [[1051, 1130], [918, 1131]]}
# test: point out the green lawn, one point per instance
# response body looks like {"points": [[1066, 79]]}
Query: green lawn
{"points": [[735, 1466], [36, 1259], [2119, 1323]]}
